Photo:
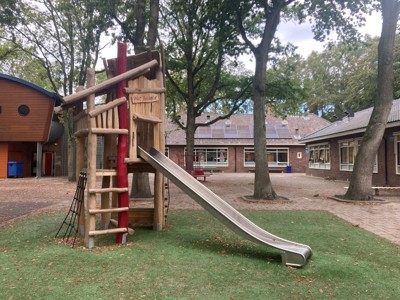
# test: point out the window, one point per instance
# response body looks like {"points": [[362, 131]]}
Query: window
{"points": [[397, 151], [277, 157], [23, 110], [348, 151], [320, 157], [210, 157]]}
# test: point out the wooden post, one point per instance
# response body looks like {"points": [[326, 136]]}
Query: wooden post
{"points": [[159, 185], [80, 164], [158, 201], [122, 149], [90, 203]]}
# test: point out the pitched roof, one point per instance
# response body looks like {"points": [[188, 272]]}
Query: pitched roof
{"points": [[239, 130], [54, 96], [351, 125]]}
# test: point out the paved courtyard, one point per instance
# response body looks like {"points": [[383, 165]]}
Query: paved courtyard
{"points": [[23, 196]]}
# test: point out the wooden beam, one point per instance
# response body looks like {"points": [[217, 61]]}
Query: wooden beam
{"points": [[107, 231], [150, 119], [104, 107], [110, 82], [109, 131]]}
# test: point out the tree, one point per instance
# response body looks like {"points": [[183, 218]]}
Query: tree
{"points": [[64, 37], [257, 22], [198, 42], [361, 178], [345, 80], [20, 64], [136, 20], [8, 11], [285, 89]]}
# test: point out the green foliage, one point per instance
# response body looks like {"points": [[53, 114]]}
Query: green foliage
{"points": [[63, 36], [339, 16], [135, 21], [198, 40], [198, 258], [342, 77], [8, 11], [20, 64], [285, 90]]}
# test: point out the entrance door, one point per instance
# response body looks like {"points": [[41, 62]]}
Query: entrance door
{"points": [[47, 163], [3, 160]]}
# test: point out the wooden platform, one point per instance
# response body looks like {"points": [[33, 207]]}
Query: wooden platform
{"points": [[140, 217]]}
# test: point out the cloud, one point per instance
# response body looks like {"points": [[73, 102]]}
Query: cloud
{"points": [[302, 36]]}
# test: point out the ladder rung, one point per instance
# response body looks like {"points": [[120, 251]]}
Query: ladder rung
{"points": [[106, 172], [107, 210], [109, 131], [108, 190], [107, 231]]}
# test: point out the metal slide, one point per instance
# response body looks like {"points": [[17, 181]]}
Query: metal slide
{"points": [[294, 254]]}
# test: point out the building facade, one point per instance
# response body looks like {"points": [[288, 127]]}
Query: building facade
{"points": [[228, 145], [28, 127], [331, 151]]}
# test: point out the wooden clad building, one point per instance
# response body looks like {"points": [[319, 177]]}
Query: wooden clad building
{"points": [[26, 125]]}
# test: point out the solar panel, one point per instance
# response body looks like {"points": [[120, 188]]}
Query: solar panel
{"points": [[241, 132], [283, 132]]}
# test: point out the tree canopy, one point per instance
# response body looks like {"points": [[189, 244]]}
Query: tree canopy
{"points": [[197, 46]]}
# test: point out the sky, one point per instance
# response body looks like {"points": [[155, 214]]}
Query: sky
{"points": [[298, 34], [302, 36]]}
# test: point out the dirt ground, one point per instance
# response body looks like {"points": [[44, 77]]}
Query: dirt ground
{"points": [[23, 196]]}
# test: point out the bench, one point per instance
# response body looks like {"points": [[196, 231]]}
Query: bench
{"points": [[198, 173], [377, 188]]}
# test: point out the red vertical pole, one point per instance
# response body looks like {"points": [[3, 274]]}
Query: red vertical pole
{"points": [[122, 148]]}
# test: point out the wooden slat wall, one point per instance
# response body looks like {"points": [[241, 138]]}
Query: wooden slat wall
{"points": [[144, 134]]}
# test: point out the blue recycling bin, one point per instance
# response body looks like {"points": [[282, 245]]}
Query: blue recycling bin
{"points": [[288, 169], [15, 168]]}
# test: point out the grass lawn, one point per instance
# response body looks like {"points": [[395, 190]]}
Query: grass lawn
{"points": [[198, 258]]}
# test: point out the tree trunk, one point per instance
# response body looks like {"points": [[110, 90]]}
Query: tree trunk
{"points": [[262, 183], [140, 181], [140, 186], [141, 21], [153, 24], [361, 178], [190, 131]]}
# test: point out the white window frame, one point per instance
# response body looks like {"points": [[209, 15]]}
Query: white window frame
{"points": [[248, 151], [202, 154], [354, 143], [324, 158], [397, 151]]}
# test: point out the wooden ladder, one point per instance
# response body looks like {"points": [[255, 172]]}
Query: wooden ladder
{"points": [[102, 121]]}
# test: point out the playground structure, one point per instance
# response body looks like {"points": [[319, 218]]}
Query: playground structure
{"points": [[134, 143], [123, 130]]}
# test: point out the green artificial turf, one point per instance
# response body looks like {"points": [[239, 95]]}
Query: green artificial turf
{"points": [[198, 258]]}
